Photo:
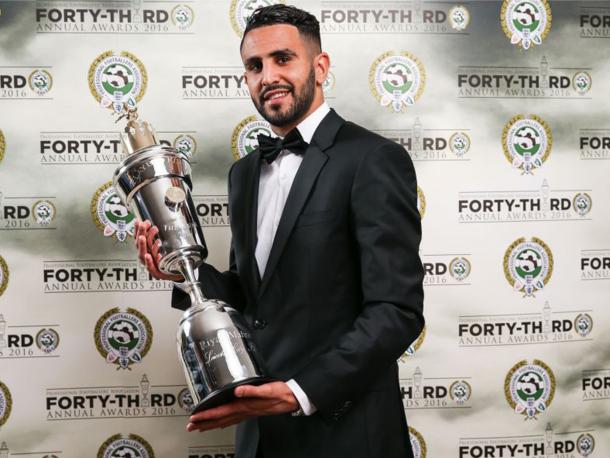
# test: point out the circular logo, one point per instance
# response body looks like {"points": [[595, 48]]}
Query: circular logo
{"points": [[329, 83], [185, 400], [529, 388], [459, 17], [410, 352], [585, 444], [243, 140], [582, 82], [186, 144], [6, 403], [459, 268], [2, 145], [241, 10], [528, 265], [123, 338], [583, 324], [43, 212], [47, 340], [110, 215], [125, 446], [40, 81], [421, 202], [582, 203], [183, 16], [527, 142], [3, 275], [526, 22], [459, 143], [397, 80], [117, 79], [460, 391], [418, 444]]}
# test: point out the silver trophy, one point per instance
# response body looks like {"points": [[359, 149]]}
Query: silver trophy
{"points": [[214, 341]]}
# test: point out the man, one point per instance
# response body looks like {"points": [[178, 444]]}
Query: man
{"points": [[324, 263]]}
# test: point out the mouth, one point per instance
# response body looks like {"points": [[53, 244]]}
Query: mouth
{"points": [[275, 96]]}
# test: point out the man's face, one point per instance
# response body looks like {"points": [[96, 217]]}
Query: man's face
{"points": [[280, 73]]}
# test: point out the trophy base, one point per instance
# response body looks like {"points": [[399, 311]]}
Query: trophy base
{"points": [[226, 394]]}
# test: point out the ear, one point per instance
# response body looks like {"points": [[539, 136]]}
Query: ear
{"points": [[321, 65]]}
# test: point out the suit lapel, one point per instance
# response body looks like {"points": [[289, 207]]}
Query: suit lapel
{"points": [[308, 172], [249, 206]]}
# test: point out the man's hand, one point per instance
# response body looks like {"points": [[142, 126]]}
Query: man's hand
{"points": [[148, 250], [252, 401]]}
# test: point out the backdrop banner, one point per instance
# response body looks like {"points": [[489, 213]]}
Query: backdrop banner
{"points": [[503, 107]]}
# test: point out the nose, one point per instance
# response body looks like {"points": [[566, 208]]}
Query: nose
{"points": [[270, 74]]}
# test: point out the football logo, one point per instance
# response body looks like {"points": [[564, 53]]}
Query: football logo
{"points": [[125, 446], [527, 142], [526, 22], [186, 144], [183, 16], [460, 391], [530, 388], [459, 143], [40, 82], [123, 338], [2, 145], [528, 265], [582, 203], [3, 275], [110, 215], [418, 444], [459, 268], [47, 340], [397, 80], [6, 403], [459, 17], [583, 324], [244, 139], [410, 352], [43, 212], [117, 79], [241, 10]]}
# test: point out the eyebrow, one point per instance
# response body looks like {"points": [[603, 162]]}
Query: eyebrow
{"points": [[276, 53]]}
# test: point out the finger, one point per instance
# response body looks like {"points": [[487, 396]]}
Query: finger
{"points": [[216, 413], [163, 275], [215, 424], [151, 266], [152, 233], [154, 250], [141, 227], [142, 248]]}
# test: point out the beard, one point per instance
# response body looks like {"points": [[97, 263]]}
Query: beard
{"points": [[302, 102]]}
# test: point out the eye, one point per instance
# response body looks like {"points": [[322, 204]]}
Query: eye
{"points": [[283, 59], [254, 67]]}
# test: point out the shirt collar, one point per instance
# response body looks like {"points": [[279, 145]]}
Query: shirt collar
{"points": [[308, 126]]}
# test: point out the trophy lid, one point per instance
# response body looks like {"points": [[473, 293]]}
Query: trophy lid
{"points": [[138, 134]]}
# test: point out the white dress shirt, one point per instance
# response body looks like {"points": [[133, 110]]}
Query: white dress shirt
{"points": [[274, 185]]}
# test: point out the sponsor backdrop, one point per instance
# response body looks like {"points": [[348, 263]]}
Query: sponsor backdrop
{"points": [[502, 106]]}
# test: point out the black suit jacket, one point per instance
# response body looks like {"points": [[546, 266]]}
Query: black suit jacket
{"points": [[341, 297]]}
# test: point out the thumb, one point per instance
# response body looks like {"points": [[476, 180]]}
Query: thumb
{"points": [[250, 391]]}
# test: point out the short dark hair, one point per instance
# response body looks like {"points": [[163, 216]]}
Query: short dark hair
{"points": [[305, 22]]}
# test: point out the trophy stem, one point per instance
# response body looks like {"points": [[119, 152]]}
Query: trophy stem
{"points": [[191, 285]]}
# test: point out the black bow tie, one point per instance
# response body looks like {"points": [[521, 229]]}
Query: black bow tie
{"points": [[272, 146]]}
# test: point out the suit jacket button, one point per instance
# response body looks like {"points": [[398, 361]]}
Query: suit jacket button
{"points": [[259, 324]]}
